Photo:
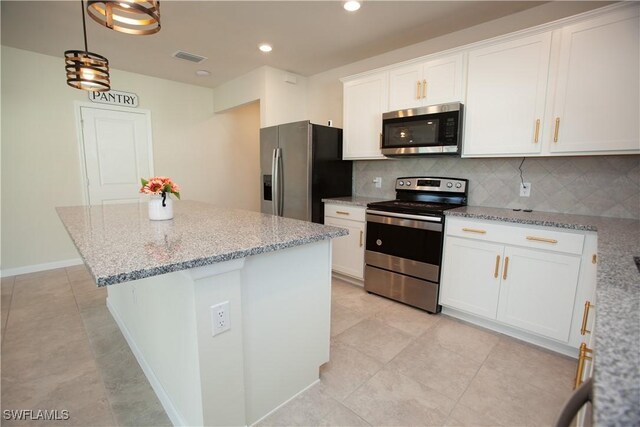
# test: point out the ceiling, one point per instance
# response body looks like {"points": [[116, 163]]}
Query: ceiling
{"points": [[308, 37]]}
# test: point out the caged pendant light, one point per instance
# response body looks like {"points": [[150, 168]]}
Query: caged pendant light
{"points": [[87, 70], [138, 17]]}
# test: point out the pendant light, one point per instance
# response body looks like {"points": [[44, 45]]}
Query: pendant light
{"points": [[87, 70], [138, 17]]}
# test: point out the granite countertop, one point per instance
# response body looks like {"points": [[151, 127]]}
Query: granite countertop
{"points": [[352, 200], [617, 333], [119, 243]]}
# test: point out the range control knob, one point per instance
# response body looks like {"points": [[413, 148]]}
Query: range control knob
{"points": [[408, 183], [458, 185], [401, 183], [449, 184]]}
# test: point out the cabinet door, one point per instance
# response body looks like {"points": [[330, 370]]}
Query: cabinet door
{"points": [[405, 87], [443, 80], [538, 291], [347, 255], [598, 91], [471, 276], [365, 100], [506, 92]]}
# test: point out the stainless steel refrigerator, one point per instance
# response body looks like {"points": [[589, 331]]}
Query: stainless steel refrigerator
{"points": [[301, 163]]}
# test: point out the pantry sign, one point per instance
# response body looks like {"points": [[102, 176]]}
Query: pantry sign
{"points": [[114, 97]]}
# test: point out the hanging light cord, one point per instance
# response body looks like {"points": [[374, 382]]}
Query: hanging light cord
{"points": [[84, 27], [520, 169]]}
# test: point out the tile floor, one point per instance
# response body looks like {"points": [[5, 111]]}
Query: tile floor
{"points": [[390, 365]]}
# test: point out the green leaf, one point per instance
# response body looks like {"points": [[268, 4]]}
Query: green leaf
{"points": [[177, 195], [144, 181]]}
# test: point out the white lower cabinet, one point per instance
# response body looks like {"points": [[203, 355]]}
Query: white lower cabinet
{"points": [[538, 290], [348, 251], [519, 278]]}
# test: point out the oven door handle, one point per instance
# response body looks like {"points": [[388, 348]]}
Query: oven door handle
{"points": [[405, 216], [405, 220]]}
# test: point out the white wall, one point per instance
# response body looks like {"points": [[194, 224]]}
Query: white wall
{"points": [[325, 89], [41, 169], [282, 95]]}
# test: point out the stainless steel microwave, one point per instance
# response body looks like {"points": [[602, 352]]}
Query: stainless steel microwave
{"points": [[435, 129]]}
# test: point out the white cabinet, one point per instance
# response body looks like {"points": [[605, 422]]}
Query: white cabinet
{"points": [[506, 88], [538, 291], [348, 251], [596, 97], [437, 81], [528, 278], [472, 285], [365, 99], [573, 90]]}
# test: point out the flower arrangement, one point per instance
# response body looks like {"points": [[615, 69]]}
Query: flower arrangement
{"points": [[160, 185]]}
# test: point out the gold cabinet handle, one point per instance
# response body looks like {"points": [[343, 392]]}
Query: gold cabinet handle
{"points": [[585, 318], [418, 89], [542, 239], [424, 89], [495, 273], [557, 128], [361, 236], [474, 230], [342, 213], [583, 357], [506, 267], [537, 133]]}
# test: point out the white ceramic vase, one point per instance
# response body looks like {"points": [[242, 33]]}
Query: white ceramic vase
{"points": [[157, 212]]}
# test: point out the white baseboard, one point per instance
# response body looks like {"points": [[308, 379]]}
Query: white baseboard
{"points": [[8, 272], [531, 338], [167, 404], [285, 402], [348, 279]]}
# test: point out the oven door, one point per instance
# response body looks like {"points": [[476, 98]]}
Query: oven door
{"points": [[405, 244]]}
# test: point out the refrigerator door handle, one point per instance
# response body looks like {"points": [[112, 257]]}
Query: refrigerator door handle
{"points": [[276, 185], [280, 183]]}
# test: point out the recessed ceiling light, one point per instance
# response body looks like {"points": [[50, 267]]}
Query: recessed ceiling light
{"points": [[265, 47], [203, 73], [352, 5]]}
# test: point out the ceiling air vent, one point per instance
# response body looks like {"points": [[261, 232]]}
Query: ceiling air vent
{"points": [[181, 54]]}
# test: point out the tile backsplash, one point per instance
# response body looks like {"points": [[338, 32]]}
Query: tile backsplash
{"points": [[594, 185]]}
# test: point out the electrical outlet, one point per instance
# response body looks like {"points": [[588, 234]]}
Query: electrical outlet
{"points": [[220, 321], [525, 189], [378, 181]]}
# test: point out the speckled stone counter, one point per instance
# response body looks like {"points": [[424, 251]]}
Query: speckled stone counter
{"points": [[119, 243], [617, 335], [352, 200]]}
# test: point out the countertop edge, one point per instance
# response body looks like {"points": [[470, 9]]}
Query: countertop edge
{"points": [[524, 221], [102, 281]]}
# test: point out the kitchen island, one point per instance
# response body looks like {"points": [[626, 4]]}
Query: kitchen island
{"points": [[164, 277]]}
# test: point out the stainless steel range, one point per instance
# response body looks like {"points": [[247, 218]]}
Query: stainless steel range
{"points": [[404, 239]]}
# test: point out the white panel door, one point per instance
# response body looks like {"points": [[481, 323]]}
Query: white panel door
{"points": [[471, 276], [443, 80], [117, 150], [506, 93], [348, 251], [365, 99], [405, 87], [538, 291], [598, 93]]}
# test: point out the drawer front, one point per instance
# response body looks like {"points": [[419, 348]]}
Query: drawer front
{"points": [[354, 213], [544, 238]]}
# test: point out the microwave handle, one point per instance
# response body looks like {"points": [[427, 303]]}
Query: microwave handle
{"points": [[380, 140]]}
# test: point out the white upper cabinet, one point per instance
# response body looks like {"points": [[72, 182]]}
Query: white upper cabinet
{"points": [[596, 103], [426, 83], [506, 90], [365, 99], [562, 89]]}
